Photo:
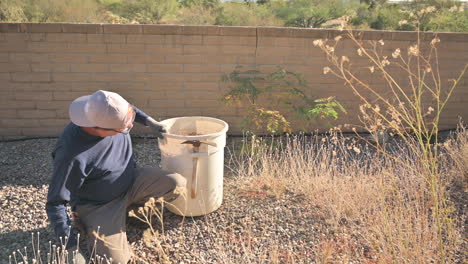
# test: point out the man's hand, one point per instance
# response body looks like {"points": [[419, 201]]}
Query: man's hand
{"points": [[157, 127], [75, 256]]}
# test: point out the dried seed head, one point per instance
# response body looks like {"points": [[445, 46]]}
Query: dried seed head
{"points": [[435, 41], [381, 42], [359, 52], [413, 50], [396, 53], [344, 59], [371, 69], [337, 38], [131, 213], [429, 110], [318, 42], [385, 62], [357, 150], [326, 70]]}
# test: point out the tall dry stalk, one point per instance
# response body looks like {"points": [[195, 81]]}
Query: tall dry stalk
{"points": [[410, 108]]}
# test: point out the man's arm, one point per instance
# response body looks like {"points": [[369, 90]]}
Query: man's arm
{"points": [[59, 195], [60, 222], [140, 116]]}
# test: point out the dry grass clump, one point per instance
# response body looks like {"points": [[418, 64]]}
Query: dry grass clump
{"points": [[381, 209]]}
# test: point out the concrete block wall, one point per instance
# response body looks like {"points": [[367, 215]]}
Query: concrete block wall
{"points": [[173, 70]]}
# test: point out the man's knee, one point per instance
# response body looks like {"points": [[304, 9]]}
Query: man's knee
{"points": [[177, 186], [178, 180], [111, 249]]}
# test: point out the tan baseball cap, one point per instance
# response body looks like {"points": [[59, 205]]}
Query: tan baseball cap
{"points": [[100, 109]]}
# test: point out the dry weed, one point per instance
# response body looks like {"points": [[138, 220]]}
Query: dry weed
{"points": [[380, 208]]}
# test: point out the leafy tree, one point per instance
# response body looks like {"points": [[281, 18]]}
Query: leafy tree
{"points": [[264, 2], [372, 4], [310, 13], [204, 3], [387, 17], [196, 14], [240, 14], [12, 11], [146, 11], [454, 19], [84, 11]]}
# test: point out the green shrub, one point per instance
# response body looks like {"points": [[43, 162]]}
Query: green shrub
{"points": [[196, 14], [241, 14], [270, 97], [450, 20], [12, 11], [82, 11], [145, 11]]}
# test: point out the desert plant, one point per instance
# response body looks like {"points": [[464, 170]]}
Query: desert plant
{"points": [[411, 113], [268, 95]]}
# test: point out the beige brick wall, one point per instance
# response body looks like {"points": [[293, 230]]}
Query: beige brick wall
{"points": [[169, 70]]}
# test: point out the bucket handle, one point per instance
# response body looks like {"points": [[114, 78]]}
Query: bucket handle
{"points": [[195, 155]]}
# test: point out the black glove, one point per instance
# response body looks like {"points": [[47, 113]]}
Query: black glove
{"points": [[157, 127]]}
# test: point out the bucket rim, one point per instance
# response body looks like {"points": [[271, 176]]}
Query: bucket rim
{"points": [[216, 134]]}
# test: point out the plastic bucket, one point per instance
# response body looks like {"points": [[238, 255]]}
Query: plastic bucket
{"points": [[194, 147]]}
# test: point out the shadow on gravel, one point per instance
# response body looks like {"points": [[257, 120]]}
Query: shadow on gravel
{"points": [[26, 162], [17, 240]]}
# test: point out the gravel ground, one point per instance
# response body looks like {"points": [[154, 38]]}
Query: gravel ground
{"points": [[250, 227]]}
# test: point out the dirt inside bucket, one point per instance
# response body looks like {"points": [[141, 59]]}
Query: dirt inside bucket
{"points": [[190, 134]]}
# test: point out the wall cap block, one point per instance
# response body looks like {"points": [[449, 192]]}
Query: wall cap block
{"points": [[284, 32]]}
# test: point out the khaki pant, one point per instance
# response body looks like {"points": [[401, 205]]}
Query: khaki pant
{"points": [[105, 224]]}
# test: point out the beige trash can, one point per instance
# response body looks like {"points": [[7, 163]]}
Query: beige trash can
{"points": [[194, 147]]}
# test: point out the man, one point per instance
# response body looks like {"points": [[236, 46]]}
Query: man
{"points": [[95, 172]]}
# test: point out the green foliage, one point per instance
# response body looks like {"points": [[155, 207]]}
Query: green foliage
{"points": [[326, 108], [12, 11], [242, 14], [268, 95], [372, 4], [146, 11], [431, 15], [427, 15], [196, 14], [86, 11], [204, 3], [454, 20], [387, 18], [310, 13]]}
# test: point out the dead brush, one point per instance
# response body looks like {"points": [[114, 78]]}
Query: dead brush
{"points": [[380, 208], [153, 209]]}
